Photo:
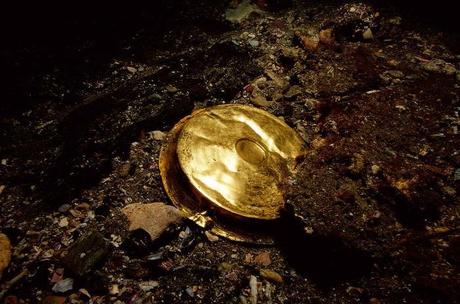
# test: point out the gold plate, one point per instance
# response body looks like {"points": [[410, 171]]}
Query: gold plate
{"points": [[225, 166]]}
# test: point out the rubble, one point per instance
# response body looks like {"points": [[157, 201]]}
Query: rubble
{"points": [[154, 218], [86, 253]]}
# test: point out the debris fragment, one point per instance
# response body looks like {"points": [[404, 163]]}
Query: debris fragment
{"points": [[88, 251], [253, 287], [63, 285], [153, 218], [241, 12], [271, 275], [439, 66], [263, 258], [211, 236]]}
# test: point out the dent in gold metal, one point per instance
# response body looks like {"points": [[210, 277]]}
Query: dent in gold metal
{"points": [[225, 168]]}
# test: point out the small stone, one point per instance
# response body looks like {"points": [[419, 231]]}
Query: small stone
{"points": [[439, 66], [248, 258], [64, 222], [263, 259], [211, 237], [457, 174], [367, 34], [148, 285], [153, 218], [309, 42], [171, 89], [64, 208], [2, 188], [293, 91], [114, 290], [254, 43], [5, 253], [158, 135], [87, 252], [271, 275], [4, 161], [63, 285], [253, 287], [375, 169], [326, 36], [131, 69], [241, 12], [224, 267], [189, 291], [260, 100], [449, 191]]}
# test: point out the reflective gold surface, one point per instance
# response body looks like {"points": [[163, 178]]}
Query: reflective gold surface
{"points": [[238, 157], [224, 167]]}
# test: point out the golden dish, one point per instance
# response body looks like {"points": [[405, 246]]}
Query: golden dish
{"points": [[226, 166]]}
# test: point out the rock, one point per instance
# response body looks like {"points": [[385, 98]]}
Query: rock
{"points": [[131, 69], [158, 135], [171, 89], [86, 253], [326, 36], [439, 66], [148, 285], [368, 35], [63, 285], [449, 191], [2, 188], [263, 259], [293, 91], [153, 218], [271, 275], [64, 222], [375, 169], [241, 12], [258, 99], [254, 43], [457, 174], [64, 208], [310, 42], [211, 237], [5, 253], [253, 287]]}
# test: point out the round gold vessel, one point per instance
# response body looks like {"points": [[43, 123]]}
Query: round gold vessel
{"points": [[225, 168]]}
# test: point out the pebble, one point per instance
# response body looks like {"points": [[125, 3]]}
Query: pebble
{"points": [[263, 259], [271, 275], [87, 252], [153, 218], [158, 135], [254, 43], [457, 174], [375, 169], [63, 286], [2, 188], [309, 42], [131, 69], [171, 89], [64, 208], [148, 285], [439, 66], [293, 91], [326, 37], [211, 237], [368, 35], [253, 287], [64, 222]]}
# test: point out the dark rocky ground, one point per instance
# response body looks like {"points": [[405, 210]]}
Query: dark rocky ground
{"points": [[376, 198]]}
